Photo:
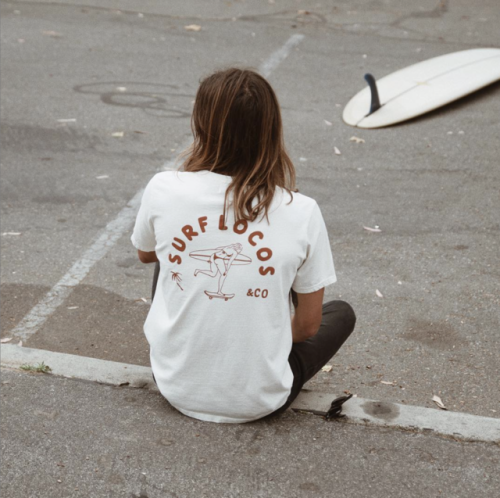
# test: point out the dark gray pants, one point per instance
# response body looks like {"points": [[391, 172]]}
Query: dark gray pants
{"points": [[308, 357]]}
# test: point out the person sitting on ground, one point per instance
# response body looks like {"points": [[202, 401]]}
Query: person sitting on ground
{"points": [[237, 323]]}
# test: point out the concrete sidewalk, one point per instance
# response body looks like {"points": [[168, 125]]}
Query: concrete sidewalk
{"points": [[74, 438]]}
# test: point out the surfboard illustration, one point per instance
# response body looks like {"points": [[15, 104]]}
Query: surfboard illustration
{"points": [[206, 254], [422, 87]]}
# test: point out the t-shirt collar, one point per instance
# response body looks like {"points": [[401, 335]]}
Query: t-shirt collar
{"points": [[215, 176]]}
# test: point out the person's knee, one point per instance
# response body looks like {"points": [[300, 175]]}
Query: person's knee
{"points": [[344, 311], [350, 316]]}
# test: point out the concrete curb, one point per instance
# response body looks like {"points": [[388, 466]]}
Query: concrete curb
{"points": [[458, 425], [357, 410], [79, 367]]}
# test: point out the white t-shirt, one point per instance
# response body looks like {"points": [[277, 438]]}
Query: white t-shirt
{"points": [[219, 327]]}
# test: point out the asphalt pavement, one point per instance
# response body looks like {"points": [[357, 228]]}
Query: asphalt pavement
{"points": [[96, 98], [83, 439]]}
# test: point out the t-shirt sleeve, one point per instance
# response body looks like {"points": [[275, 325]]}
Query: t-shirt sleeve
{"points": [[317, 270], [143, 236]]}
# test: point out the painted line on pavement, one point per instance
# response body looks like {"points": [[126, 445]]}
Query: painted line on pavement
{"points": [[460, 426], [276, 58], [115, 229], [37, 316]]}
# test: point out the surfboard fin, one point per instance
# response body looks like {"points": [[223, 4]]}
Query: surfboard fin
{"points": [[375, 103]]}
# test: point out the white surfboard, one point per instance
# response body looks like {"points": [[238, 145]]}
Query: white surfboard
{"points": [[422, 87]]}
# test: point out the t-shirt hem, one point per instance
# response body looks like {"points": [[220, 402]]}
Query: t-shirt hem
{"points": [[218, 419], [305, 290], [141, 247]]}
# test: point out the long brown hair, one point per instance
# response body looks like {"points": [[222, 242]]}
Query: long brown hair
{"points": [[237, 128]]}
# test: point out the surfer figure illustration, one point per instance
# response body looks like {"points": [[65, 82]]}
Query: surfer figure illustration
{"points": [[220, 262]]}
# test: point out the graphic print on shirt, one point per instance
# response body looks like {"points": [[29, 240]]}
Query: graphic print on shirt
{"points": [[221, 259], [177, 277]]}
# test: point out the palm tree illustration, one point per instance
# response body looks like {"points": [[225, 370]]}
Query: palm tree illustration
{"points": [[177, 277]]}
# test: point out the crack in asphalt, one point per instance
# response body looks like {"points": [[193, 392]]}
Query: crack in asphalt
{"points": [[301, 20]]}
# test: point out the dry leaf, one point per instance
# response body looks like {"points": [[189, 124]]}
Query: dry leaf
{"points": [[387, 383], [337, 151], [303, 12], [329, 123], [54, 34], [438, 402], [379, 294], [6, 339], [11, 233], [192, 27], [118, 134], [357, 140], [327, 368], [372, 229]]}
